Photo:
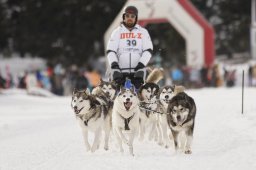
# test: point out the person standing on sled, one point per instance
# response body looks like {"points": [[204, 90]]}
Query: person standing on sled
{"points": [[129, 50]]}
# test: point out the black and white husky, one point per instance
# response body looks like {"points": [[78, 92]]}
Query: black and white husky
{"points": [[107, 87], [181, 114], [165, 94], [148, 103], [93, 114], [125, 117]]}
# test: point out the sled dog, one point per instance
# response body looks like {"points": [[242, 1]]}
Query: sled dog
{"points": [[92, 114], [148, 103], [181, 114], [125, 117], [165, 94], [107, 87]]}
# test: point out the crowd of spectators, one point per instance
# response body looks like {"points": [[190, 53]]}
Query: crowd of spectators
{"points": [[61, 81], [57, 79]]}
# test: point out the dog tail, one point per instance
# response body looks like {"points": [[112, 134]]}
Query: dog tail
{"points": [[178, 89], [155, 75]]}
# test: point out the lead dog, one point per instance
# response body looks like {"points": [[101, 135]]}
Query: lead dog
{"points": [[165, 94], [181, 114], [125, 117], [93, 114]]}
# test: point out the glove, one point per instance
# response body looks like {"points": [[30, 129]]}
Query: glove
{"points": [[117, 75], [139, 66], [115, 65]]}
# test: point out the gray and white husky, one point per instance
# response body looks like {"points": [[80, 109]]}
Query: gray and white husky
{"points": [[92, 113], [181, 114], [165, 95], [148, 104], [125, 117], [107, 87]]}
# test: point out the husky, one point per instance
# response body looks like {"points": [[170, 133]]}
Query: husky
{"points": [[181, 114], [149, 119], [165, 94], [110, 89], [125, 117], [92, 114], [148, 103], [107, 87]]}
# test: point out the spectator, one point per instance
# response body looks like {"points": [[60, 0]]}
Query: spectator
{"points": [[2, 82], [177, 76], [81, 82], [216, 78], [93, 77], [205, 76], [254, 76], [230, 78], [57, 86], [22, 81], [250, 75]]}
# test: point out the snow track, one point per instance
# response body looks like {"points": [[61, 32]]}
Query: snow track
{"points": [[39, 133]]}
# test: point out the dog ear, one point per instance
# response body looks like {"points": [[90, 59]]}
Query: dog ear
{"points": [[133, 89], [75, 91], [122, 89], [88, 91], [173, 87], [101, 82], [113, 85], [157, 89], [139, 93]]}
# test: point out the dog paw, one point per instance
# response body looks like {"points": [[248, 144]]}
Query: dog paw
{"points": [[106, 148], [131, 150], [179, 150], [129, 144], [126, 142], [160, 143], [94, 148], [188, 152], [87, 149], [150, 138]]}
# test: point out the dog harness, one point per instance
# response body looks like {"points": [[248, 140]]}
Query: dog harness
{"points": [[143, 106], [126, 121], [86, 120]]}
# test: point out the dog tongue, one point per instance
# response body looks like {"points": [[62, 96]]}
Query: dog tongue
{"points": [[127, 105]]}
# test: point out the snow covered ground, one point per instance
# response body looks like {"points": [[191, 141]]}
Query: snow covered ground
{"points": [[39, 133]]}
